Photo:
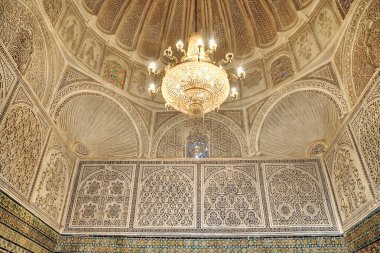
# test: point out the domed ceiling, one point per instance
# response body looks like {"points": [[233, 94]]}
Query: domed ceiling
{"points": [[148, 27], [284, 47]]}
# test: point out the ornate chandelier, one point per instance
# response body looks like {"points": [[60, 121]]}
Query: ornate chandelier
{"points": [[195, 85]]}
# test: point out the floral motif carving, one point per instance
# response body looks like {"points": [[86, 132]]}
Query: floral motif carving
{"points": [[231, 197], [20, 146], [348, 184], [23, 37], [325, 25], [103, 198], [53, 184], [368, 135]]}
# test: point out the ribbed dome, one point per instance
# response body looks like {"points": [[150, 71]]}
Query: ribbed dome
{"points": [[148, 26]]}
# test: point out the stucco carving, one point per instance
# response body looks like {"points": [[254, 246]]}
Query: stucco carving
{"points": [[231, 196], [295, 195], [21, 142]]}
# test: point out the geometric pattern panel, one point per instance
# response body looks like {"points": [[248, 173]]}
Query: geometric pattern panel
{"points": [[296, 196], [103, 196], [166, 196], [203, 197], [231, 196]]}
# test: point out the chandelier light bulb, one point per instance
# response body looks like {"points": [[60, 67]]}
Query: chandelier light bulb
{"points": [[179, 45], [240, 72], [212, 45], [152, 67], [200, 43], [152, 88], [234, 93]]}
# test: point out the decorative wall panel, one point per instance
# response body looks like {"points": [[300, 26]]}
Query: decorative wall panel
{"points": [[295, 196], [23, 37], [102, 198], [8, 77], [231, 196], [23, 132], [365, 127], [53, 180], [166, 196], [348, 179], [201, 197]]}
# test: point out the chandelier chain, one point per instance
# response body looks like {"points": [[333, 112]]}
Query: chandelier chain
{"points": [[196, 16]]}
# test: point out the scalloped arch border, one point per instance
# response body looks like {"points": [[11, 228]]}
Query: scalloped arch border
{"points": [[323, 87], [89, 88]]}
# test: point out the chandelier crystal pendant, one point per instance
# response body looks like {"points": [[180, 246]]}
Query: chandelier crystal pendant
{"points": [[195, 85]]}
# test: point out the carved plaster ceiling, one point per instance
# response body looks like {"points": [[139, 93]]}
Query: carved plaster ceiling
{"points": [[148, 27], [283, 46]]}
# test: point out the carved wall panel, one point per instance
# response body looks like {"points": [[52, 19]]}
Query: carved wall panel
{"points": [[360, 48], [254, 82], [22, 136], [200, 196], [281, 69], [295, 196], [348, 179], [305, 46], [53, 9], [115, 70], [71, 29], [102, 197], [325, 24], [366, 130], [366, 48], [166, 197], [231, 196], [91, 51], [53, 180], [23, 37]]}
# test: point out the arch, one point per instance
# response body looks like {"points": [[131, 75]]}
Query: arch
{"points": [[88, 88], [229, 124], [319, 86]]}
